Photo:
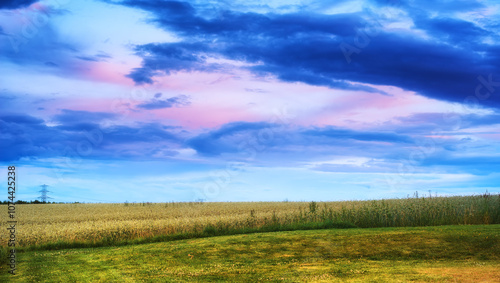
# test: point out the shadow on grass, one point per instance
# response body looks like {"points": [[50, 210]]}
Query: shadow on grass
{"points": [[208, 231]]}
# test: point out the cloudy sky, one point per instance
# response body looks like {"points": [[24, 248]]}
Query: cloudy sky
{"points": [[112, 101]]}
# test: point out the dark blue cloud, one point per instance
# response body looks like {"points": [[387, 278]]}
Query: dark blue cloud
{"points": [[75, 116], [227, 138], [183, 17], [454, 31], [347, 134], [14, 4], [305, 47], [99, 57], [166, 58], [176, 8], [144, 133], [231, 137], [157, 103], [142, 75], [21, 119], [387, 150], [25, 136], [78, 127]]}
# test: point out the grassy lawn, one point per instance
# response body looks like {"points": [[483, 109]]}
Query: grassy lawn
{"points": [[421, 254]]}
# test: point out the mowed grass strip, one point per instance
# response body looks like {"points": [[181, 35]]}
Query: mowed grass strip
{"points": [[464, 253]]}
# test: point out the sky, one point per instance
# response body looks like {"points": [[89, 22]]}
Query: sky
{"points": [[135, 100]]}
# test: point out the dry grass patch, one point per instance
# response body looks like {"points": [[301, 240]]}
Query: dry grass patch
{"points": [[474, 274]]}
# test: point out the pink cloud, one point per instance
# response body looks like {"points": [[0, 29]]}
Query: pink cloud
{"points": [[217, 99], [362, 109], [105, 72], [202, 117]]}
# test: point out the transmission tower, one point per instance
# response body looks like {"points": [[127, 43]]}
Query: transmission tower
{"points": [[44, 192]]}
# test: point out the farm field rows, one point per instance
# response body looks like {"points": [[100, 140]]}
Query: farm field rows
{"points": [[460, 253]]}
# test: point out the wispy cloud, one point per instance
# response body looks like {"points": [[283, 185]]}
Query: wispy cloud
{"points": [[157, 103]]}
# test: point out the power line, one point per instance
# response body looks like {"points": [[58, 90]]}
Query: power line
{"points": [[44, 192]]}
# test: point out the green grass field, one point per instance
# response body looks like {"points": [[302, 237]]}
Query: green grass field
{"points": [[462, 253]]}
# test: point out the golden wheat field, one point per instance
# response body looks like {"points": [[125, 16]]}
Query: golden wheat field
{"points": [[38, 224], [111, 223]]}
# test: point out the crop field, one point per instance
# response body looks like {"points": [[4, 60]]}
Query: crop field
{"points": [[260, 241], [66, 225]]}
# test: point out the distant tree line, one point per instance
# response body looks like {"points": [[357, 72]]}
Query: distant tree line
{"points": [[28, 202]]}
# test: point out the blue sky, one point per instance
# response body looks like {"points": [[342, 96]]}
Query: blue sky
{"points": [[112, 101]]}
